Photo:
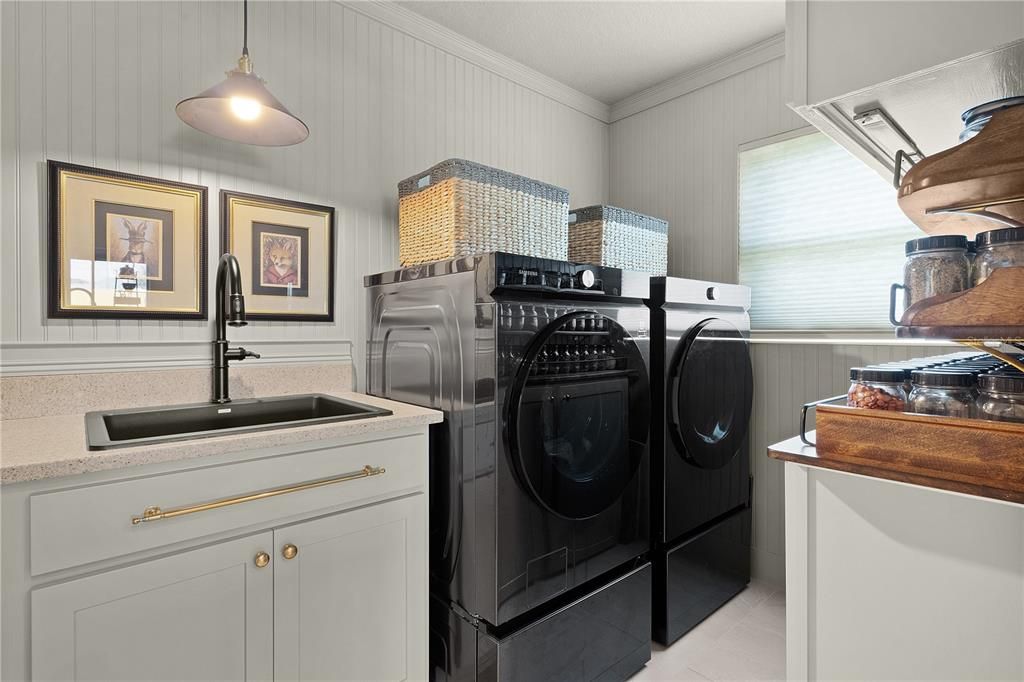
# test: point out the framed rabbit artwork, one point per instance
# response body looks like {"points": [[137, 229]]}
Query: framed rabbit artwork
{"points": [[285, 250], [125, 246]]}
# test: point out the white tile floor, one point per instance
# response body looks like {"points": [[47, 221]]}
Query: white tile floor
{"points": [[743, 640]]}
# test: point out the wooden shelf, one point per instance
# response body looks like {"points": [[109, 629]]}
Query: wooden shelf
{"points": [[950, 192], [1012, 334], [993, 310]]}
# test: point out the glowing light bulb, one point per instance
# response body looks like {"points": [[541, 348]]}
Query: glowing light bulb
{"points": [[246, 108]]}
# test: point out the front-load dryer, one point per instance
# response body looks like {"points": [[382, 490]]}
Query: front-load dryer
{"points": [[702, 392]]}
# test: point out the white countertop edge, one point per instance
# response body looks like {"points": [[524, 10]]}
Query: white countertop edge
{"points": [[60, 449], [906, 484]]}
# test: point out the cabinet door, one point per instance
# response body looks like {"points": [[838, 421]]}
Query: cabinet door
{"points": [[203, 614], [352, 602]]}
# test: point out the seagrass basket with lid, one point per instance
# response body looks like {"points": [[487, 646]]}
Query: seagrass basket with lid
{"points": [[618, 238], [460, 208]]}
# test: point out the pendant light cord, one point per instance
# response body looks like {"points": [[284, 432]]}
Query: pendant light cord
{"points": [[245, 27]]}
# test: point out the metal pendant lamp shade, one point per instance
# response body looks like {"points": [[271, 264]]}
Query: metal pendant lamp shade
{"points": [[242, 109]]}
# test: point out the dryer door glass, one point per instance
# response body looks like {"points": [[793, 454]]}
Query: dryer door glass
{"points": [[578, 415], [710, 394]]}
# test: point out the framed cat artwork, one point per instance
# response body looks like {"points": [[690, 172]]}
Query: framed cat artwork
{"points": [[125, 246], [285, 250]]}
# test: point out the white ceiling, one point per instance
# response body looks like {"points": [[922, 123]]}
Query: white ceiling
{"points": [[610, 50]]}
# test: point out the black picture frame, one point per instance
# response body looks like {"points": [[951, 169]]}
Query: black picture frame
{"points": [[226, 230], [55, 227]]}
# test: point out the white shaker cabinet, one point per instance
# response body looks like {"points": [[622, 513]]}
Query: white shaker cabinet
{"points": [[348, 603], [835, 47], [199, 615], [893, 581], [884, 77], [324, 578]]}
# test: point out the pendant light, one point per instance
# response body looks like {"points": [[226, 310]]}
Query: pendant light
{"points": [[241, 109]]}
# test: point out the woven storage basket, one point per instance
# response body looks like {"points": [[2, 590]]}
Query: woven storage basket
{"points": [[459, 208], [615, 237]]}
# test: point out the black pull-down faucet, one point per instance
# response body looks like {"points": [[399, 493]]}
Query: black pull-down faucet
{"points": [[228, 274]]}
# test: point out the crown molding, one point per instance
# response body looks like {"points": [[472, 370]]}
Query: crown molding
{"points": [[421, 28], [19, 359], [755, 55]]}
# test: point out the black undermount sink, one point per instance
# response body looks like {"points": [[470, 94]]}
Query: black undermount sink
{"points": [[123, 428]]}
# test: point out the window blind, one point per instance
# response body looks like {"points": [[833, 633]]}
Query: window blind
{"points": [[820, 236]]}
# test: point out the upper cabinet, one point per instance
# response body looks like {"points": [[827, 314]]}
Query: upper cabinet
{"points": [[881, 77]]}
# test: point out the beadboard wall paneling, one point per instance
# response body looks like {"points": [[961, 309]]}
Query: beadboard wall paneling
{"points": [[786, 376], [95, 83], [677, 161]]}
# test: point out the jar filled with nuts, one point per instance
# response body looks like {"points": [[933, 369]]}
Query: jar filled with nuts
{"points": [[877, 389], [934, 266], [946, 392]]}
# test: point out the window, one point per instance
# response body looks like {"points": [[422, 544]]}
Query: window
{"points": [[821, 237]]}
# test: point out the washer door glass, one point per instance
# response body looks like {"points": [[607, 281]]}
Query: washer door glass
{"points": [[579, 414], [710, 394]]}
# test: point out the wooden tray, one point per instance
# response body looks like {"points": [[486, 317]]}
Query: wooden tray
{"points": [[975, 456]]}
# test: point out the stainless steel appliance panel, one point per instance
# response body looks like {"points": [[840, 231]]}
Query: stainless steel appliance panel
{"points": [[422, 349]]}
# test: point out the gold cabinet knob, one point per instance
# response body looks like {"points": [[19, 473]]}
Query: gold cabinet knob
{"points": [[262, 559], [289, 551]]}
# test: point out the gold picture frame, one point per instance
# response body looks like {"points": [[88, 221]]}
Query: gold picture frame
{"points": [[285, 250], [125, 246]]}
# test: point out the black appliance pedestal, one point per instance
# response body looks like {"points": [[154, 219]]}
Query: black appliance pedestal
{"points": [[695, 577], [603, 636]]}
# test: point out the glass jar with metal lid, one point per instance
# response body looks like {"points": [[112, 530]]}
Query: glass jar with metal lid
{"points": [[905, 369], [877, 389], [934, 266], [997, 249], [975, 118], [944, 392], [1001, 396]]}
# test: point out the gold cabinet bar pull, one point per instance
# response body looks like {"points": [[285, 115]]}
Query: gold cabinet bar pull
{"points": [[156, 513]]}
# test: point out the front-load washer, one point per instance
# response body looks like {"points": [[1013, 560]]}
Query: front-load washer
{"points": [[539, 513], [702, 392]]}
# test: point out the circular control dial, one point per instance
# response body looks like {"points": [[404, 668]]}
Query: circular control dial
{"points": [[585, 279]]}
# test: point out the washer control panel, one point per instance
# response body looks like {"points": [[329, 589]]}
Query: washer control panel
{"points": [[524, 272]]}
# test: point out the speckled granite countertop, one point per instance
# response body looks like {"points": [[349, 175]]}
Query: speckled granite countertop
{"points": [[48, 447], [35, 445]]}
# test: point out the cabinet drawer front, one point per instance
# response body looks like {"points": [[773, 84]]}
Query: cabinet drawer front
{"points": [[81, 525]]}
